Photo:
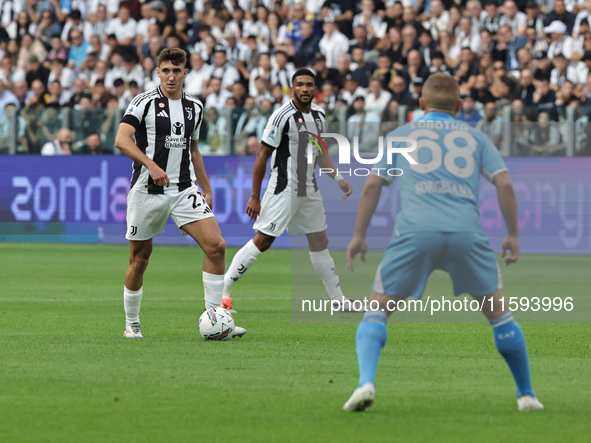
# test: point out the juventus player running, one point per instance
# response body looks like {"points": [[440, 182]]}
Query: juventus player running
{"points": [[292, 199], [167, 161]]}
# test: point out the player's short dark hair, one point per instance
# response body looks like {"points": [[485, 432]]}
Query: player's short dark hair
{"points": [[304, 71], [174, 55]]}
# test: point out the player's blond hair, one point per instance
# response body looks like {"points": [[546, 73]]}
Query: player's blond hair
{"points": [[441, 92]]}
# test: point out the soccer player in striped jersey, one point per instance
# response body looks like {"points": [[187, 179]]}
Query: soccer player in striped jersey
{"points": [[438, 227], [165, 123], [292, 200]]}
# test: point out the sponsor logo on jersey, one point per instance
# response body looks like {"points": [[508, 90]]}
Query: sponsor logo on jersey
{"points": [[178, 128], [175, 142], [162, 114]]}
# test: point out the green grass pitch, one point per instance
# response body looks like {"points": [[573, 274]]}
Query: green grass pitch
{"points": [[68, 375]]}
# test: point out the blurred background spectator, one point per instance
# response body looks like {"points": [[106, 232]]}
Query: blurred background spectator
{"points": [[74, 66]]}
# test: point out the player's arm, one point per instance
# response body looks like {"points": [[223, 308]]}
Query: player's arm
{"points": [[200, 173], [370, 195], [124, 141], [508, 205], [325, 162], [253, 207]]}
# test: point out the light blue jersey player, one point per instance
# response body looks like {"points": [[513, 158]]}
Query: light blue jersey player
{"points": [[438, 227]]}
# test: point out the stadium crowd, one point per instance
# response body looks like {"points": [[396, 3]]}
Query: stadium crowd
{"points": [[69, 68]]}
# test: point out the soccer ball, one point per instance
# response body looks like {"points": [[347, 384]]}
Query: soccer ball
{"points": [[216, 324]]}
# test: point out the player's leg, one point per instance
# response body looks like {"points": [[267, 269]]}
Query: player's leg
{"points": [[510, 343], [275, 214], [324, 265], [243, 260], [473, 268], [208, 235], [370, 339], [404, 269], [146, 216], [139, 256]]}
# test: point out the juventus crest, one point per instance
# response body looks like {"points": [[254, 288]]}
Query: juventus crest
{"points": [[189, 111]]}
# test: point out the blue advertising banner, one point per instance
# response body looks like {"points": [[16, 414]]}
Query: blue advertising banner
{"points": [[82, 199]]}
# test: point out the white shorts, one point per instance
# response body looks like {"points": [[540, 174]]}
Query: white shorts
{"points": [[147, 214], [300, 215]]}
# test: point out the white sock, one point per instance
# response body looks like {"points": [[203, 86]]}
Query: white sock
{"points": [[240, 264], [213, 287], [131, 303], [325, 268]]}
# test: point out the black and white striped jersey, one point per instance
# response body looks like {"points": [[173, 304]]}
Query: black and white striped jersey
{"points": [[164, 130], [287, 132]]}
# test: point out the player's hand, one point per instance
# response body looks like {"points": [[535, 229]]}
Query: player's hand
{"points": [[208, 196], [159, 176], [253, 208], [511, 244], [357, 245], [346, 188]]}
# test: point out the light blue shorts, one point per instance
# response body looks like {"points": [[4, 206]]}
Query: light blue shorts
{"points": [[412, 257]]}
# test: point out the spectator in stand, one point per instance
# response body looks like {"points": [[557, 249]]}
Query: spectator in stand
{"points": [[309, 46], [78, 50], [369, 19], [294, 26], [543, 66], [216, 96], [364, 124], [198, 76], [562, 15], [562, 72], [10, 74], [6, 97], [78, 93], [467, 70], [492, 124], [123, 26], [492, 18], [467, 36], [526, 88], [480, 92], [30, 47], [93, 145], [415, 68], [47, 29], [514, 18], [22, 94], [61, 145], [400, 92], [526, 59], [37, 71], [385, 72], [282, 73], [583, 16], [351, 90], [534, 19], [535, 43], [333, 44], [377, 99], [561, 43], [468, 112], [361, 70], [324, 73], [360, 40], [438, 63], [544, 97], [507, 46], [76, 23], [341, 12], [222, 69]]}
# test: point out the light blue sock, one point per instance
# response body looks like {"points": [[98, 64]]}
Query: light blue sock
{"points": [[371, 338], [511, 345]]}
